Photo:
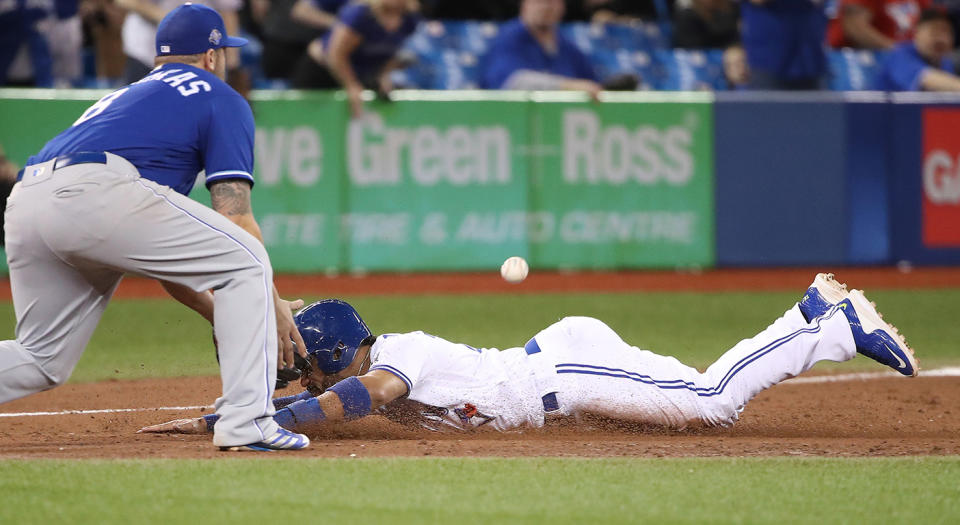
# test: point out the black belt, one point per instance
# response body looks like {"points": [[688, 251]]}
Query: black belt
{"points": [[550, 403]]}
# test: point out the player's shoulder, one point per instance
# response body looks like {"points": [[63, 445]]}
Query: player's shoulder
{"points": [[401, 342]]}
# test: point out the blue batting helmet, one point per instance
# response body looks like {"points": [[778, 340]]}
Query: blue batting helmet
{"points": [[332, 330]]}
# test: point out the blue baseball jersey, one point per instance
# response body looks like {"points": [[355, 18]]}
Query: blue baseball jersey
{"points": [[902, 69], [174, 123]]}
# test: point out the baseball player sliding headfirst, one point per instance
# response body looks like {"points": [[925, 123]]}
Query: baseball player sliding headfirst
{"points": [[578, 365], [108, 196]]}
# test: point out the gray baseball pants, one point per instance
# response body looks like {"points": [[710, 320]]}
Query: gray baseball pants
{"points": [[71, 235]]}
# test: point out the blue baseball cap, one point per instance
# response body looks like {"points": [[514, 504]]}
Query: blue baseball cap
{"points": [[191, 29]]}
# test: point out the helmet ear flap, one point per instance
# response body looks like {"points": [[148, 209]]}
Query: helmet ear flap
{"points": [[339, 350]]}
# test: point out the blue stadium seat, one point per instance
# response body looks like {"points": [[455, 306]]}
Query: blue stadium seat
{"points": [[852, 69], [472, 36], [457, 70], [590, 37], [690, 70]]}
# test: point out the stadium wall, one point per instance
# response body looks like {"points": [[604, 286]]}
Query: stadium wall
{"points": [[459, 180]]}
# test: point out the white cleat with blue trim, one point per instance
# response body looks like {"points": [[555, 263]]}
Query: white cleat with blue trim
{"points": [[875, 338], [282, 439]]}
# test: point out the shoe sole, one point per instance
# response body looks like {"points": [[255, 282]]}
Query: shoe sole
{"points": [[263, 447], [256, 448], [247, 448], [830, 289], [871, 320]]}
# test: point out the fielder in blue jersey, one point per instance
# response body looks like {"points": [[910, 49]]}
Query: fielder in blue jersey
{"points": [[576, 366], [107, 196]]}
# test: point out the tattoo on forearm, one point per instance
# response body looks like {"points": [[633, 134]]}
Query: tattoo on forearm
{"points": [[230, 197]]}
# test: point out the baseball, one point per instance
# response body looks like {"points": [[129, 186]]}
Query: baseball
{"points": [[514, 269]]}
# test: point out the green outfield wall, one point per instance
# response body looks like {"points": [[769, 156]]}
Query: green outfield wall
{"points": [[460, 180]]}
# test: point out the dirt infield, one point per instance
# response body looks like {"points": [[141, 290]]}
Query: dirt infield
{"points": [[887, 417], [873, 417]]}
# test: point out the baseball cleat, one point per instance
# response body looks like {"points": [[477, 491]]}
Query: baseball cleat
{"points": [[823, 293], [875, 338], [282, 439]]}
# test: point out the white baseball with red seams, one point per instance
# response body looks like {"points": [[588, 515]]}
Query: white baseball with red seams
{"points": [[514, 269]]}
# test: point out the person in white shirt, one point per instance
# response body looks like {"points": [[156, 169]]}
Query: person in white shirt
{"points": [[139, 31]]}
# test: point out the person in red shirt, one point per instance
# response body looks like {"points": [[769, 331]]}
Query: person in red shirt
{"points": [[874, 24]]}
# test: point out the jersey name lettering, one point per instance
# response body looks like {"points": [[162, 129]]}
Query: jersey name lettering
{"points": [[178, 80]]}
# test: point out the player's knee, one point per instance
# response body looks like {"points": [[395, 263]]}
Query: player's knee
{"points": [[57, 373]]}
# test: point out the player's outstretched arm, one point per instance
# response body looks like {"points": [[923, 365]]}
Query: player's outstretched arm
{"points": [[200, 302], [352, 398], [231, 198]]}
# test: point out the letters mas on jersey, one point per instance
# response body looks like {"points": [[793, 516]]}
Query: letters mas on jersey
{"points": [[175, 78]]}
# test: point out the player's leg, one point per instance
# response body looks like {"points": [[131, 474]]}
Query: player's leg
{"points": [[599, 373], [58, 305], [596, 372], [159, 233], [788, 347]]}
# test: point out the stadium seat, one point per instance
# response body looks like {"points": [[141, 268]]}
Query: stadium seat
{"points": [[690, 70], [472, 36], [852, 69]]}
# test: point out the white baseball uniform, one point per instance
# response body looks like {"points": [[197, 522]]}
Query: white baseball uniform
{"points": [[580, 365]]}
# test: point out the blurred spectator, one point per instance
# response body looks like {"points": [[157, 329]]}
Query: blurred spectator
{"points": [[318, 14], [103, 20], [252, 15], [285, 39], [140, 31], [64, 35], [24, 54], [618, 11], [706, 24], [735, 69], [360, 51], [461, 10], [874, 24], [529, 53], [922, 64], [8, 177], [784, 43]]}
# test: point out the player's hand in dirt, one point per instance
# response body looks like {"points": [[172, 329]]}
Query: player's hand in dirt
{"points": [[194, 425], [289, 339]]}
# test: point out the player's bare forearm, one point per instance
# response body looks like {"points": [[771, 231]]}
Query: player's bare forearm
{"points": [[343, 41], [342, 402], [935, 80], [200, 302], [231, 198]]}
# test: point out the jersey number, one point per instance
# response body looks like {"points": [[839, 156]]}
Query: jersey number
{"points": [[99, 106]]}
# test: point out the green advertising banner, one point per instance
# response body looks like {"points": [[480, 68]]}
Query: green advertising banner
{"points": [[301, 193], [436, 185], [622, 184], [459, 180]]}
